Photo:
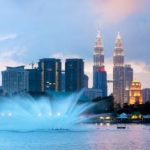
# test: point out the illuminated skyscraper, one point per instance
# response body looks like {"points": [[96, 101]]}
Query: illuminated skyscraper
{"points": [[98, 52], [99, 73], [128, 73], [118, 58], [135, 93], [122, 74], [118, 72], [50, 69], [74, 74]]}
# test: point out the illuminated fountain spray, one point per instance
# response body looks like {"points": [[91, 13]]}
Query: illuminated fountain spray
{"points": [[27, 113]]}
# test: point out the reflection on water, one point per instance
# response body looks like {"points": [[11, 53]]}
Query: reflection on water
{"points": [[135, 137]]}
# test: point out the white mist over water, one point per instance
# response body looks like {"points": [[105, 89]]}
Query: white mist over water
{"points": [[26, 113]]}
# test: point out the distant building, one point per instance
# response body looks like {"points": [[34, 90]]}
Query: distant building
{"points": [[99, 73], [101, 78], [122, 74], [86, 81], [50, 69], [93, 93], [135, 93], [119, 73], [1, 91], [146, 95], [63, 80], [118, 85], [128, 72], [15, 80], [34, 83], [74, 73]]}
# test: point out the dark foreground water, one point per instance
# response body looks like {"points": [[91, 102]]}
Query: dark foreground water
{"points": [[135, 137]]}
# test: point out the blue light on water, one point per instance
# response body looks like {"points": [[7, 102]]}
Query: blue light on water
{"points": [[27, 113]]}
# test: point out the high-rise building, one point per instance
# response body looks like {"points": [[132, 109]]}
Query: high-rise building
{"points": [[98, 51], [135, 93], [101, 78], [91, 93], [86, 81], [34, 83], [146, 95], [74, 73], [63, 80], [15, 80], [118, 57], [99, 73], [118, 72], [50, 69], [128, 73]]}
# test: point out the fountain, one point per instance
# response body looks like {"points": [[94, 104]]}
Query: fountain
{"points": [[44, 113]]}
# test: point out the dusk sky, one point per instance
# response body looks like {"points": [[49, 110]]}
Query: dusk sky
{"points": [[33, 29]]}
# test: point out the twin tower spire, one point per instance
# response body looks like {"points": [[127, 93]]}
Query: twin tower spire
{"points": [[99, 73], [118, 56]]}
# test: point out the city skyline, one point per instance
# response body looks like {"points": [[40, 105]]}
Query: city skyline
{"points": [[110, 89], [42, 36], [74, 74]]}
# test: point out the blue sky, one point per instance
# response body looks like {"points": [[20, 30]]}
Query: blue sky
{"points": [[33, 29]]}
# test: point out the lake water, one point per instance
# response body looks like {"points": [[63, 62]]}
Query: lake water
{"points": [[135, 137]]}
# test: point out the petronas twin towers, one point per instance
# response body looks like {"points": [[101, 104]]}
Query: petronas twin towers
{"points": [[118, 72], [99, 73], [122, 74]]}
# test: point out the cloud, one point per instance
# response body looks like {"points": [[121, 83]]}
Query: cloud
{"points": [[139, 66], [10, 57], [12, 53], [8, 37], [117, 10], [141, 72], [141, 69], [64, 56]]}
